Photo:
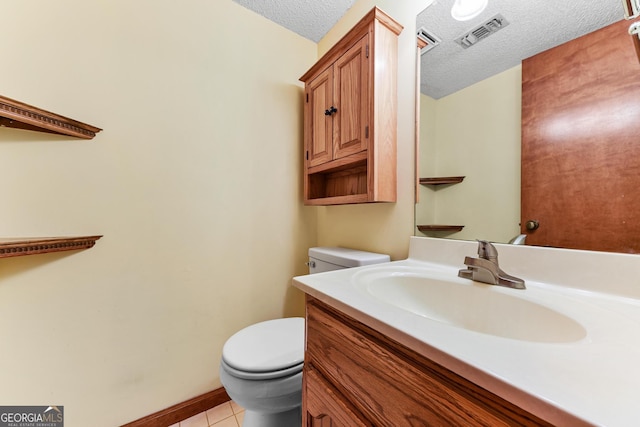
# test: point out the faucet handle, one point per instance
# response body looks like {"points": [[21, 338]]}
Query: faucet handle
{"points": [[487, 251]]}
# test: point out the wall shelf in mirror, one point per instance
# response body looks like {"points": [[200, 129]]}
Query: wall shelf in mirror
{"points": [[16, 114], [441, 180], [450, 228], [11, 247]]}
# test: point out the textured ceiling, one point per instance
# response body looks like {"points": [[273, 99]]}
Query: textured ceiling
{"points": [[311, 19], [534, 26]]}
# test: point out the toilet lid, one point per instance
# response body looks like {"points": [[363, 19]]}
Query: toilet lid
{"points": [[266, 346]]}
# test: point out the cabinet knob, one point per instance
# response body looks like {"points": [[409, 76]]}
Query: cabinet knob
{"points": [[330, 111]]}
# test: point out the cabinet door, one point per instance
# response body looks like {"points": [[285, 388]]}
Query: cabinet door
{"points": [[318, 132], [391, 385], [324, 405], [351, 96]]}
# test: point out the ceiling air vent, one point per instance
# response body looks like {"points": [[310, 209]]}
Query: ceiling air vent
{"points": [[483, 31], [430, 39]]}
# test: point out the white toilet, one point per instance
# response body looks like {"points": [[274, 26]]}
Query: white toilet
{"points": [[261, 367]]}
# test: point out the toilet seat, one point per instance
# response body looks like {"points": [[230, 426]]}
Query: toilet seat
{"points": [[270, 349], [257, 376]]}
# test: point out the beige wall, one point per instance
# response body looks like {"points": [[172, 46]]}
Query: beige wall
{"points": [[475, 133], [427, 198], [382, 227], [195, 183]]}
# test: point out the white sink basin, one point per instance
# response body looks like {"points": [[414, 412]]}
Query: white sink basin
{"points": [[482, 308], [556, 349]]}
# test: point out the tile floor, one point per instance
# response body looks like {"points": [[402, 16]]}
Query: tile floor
{"points": [[229, 414]]}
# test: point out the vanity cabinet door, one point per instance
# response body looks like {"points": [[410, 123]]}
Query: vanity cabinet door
{"points": [[393, 386], [325, 406]]}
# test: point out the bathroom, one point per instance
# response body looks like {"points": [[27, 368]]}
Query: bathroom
{"points": [[201, 214]]}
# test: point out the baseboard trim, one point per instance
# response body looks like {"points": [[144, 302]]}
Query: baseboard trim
{"points": [[182, 411]]}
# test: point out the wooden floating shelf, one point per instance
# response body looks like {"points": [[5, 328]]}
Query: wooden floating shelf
{"points": [[441, 180], [16, 114], [451, 228], [10, 247]]}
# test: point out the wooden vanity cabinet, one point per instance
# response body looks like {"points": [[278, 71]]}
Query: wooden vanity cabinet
{"points": [[326, 406], [355, 376], [350, 117]]}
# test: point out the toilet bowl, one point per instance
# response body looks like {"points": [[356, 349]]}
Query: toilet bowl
{"points": [[261, 370], [261, 366]]}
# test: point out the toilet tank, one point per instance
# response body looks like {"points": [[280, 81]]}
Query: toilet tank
{"points": [[333, 258]]}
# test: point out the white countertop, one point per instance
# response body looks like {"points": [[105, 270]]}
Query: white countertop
{"points": [[594, 380]]}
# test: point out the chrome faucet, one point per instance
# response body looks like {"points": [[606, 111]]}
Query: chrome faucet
{"points": [[485, 268]]}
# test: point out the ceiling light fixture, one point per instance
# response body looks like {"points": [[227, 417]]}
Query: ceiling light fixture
{"points": [[463, 10]]}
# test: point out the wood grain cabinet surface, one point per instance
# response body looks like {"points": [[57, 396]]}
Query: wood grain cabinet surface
{"points": [[355, 376], [350, 117]]}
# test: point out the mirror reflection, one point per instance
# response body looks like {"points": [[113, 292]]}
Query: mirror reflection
{"points": [[471, 111]]}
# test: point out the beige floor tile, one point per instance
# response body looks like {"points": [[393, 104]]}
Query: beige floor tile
{"points": [[240, 417], [219, 413], [175, 425], [199, 420], [236, 408], [227, 422]]}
